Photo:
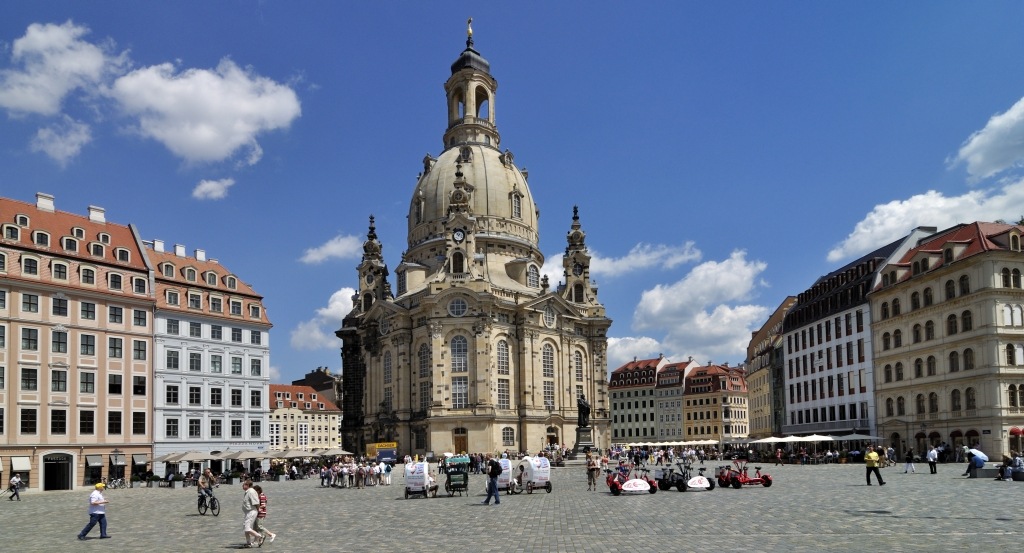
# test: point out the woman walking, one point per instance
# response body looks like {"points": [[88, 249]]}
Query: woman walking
{"points": [[909, 459]]}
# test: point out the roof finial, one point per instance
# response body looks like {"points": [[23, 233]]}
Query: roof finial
{"points": [[372, 234], [469, 33]]}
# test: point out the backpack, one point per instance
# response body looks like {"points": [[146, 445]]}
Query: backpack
{"points": [[495, 469]]}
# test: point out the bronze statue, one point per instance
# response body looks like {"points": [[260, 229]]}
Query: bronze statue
{"points": [[583, 419]]}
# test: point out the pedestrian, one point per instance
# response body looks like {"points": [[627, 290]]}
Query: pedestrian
{"points": [[15, 484], [908, 458], [871, 464], [250, 509], [493, 470], [592, 472], [261, 516], [97, 513], [778, 457], [933, 460]]}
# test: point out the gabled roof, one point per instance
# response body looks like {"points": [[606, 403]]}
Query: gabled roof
{"points": [[307, 392]]}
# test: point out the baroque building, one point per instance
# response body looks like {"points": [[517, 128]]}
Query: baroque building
{"points": [[715, 404], [765, 379], [634, 408], [302, 418], [473, 350]]}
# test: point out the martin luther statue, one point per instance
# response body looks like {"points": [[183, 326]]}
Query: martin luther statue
{"points": [[583, 419]]}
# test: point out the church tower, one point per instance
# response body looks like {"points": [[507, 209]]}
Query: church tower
{"points": [[475, 351]]}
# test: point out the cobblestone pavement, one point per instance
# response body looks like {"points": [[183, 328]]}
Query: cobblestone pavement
{"points": [[810, 508]]}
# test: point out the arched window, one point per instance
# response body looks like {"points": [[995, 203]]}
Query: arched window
{"points": [[460, 354], [885, 310], [929, 330], [970, 399], [915, 333], [897, 338], [951, 325], [1015, 243], [966, 321], [1011, 355], [947, 255], [577, 293], [548, 361], [533, 277], [888, 373], [954, 361], [387, 367], [965, 285], [931, 365], [1017, 313], [954, 401], [502, 357], [933, 402], [423, 356], [889, 407], [950, 289], [367, 301], [895, 307], [1011, 396], [1020, 395], [508, 436], [899, 371], [901, 406], [1016, 278], [918, 368], [458, 263], [928, 297], [886, 341], [968, 359], [578, 361], [1006, 277], [919, 404], [915, 301], [517, 206]]}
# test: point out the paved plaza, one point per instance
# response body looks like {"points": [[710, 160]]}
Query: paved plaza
{"points": [[809, 508]]}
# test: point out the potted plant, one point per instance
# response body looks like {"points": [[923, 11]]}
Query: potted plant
{"points": [[235, 476], [136, 481], [154, 480], [843, 457], [178, 482]]}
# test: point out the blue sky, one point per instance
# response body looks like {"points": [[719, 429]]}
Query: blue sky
{"points": [[723, 155]]}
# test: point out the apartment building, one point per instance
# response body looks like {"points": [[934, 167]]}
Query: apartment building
{"points": [[671, 380], [632, 389], [302, 418], [715, 404], [765, 379]]}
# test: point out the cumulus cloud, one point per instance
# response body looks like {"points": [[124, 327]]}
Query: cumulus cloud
{"points": [[63, 140], [888, 222], [318, 332], [339, 247], [212, 189], [624, 350], [206, 115], [53, 61], [645, 256], [996, 147]]}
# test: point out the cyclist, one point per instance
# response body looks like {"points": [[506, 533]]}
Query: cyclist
{"points": [[205, 484]]}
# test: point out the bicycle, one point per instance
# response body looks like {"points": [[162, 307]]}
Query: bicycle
{"points": [[210, 503], [115, 483]]}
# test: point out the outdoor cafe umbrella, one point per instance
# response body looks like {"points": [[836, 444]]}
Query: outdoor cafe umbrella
{"points": [[334, 452], [167, 457], [194, 457], [856, 436], [293, 454], [243, 455]]}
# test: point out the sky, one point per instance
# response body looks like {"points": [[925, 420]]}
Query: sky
{"points": [[723, 155]]}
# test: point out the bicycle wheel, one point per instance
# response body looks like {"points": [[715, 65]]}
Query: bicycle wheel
{"points": [[202, 506], [214, 506]]}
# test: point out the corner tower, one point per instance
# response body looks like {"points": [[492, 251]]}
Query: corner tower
{"points": [[474, 351]]}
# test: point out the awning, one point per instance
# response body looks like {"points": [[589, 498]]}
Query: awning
{"points": [[94, 460], [1015, 431], [140, 459], [20, 464], [117, 460]]}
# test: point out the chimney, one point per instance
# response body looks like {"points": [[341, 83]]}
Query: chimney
{"points": [[44, 202], [179, 250], [201, 255], [97, 214], [158, 245]]}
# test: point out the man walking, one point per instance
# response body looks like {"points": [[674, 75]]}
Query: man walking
{"points": [[250, 508], [871, 463], [15, 484], [493, 470], [933, 459], [97, 513]]}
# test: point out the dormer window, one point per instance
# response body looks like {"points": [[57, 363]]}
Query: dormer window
{"points": [[41, 239], [236, 307], [168, 270], [12, 232], [195, 301], [300, 395], [114, 281], [517, 206], [29, 266], [231, 282], [312, 397], [96, 250], [172, 297], [211, 278], [254, 311], [122, 255], [78, 232], [21, 220], [1014, 243], [947, 255], [70, 244], [190, 275], [104, 237], [140, 285]]}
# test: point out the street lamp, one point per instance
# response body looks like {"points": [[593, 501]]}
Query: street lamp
{"points": [[115, 454]]}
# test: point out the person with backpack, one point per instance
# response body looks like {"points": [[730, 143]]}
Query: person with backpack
{"points": [[493, 471]]}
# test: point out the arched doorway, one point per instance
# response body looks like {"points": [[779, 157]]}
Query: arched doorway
{"points": [[552, 436], [896, 442], [1016, 442], [460, 440], [973, 438], [56, 471]]}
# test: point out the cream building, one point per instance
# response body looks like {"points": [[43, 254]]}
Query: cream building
{"points": [[668, 413], [633, 388], [715, 404], [76, 324], [473, 350], [949, 340], [301, 418], [765, 378]]}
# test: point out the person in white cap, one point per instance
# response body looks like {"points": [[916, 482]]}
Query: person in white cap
{"points": [[97, 513]]}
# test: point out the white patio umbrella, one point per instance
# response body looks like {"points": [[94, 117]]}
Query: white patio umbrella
{"points": [[856, 436], [194, 457], [979, 454], [167, 457], [818, 438]]}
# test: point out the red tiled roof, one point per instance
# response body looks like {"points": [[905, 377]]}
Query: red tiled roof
{"points": [[307, 392], [977, 236]]}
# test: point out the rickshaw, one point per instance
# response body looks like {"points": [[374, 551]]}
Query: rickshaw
{"points": [[532, 473], [456, 469], [418, 480], [505, 478]]}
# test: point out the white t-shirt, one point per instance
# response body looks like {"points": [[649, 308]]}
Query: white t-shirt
{"points": [[95, 496]]}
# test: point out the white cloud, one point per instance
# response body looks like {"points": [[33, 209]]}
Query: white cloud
{"points": [[54, 61], [275, 373], [997, 147], [63, 140], [206, 115], [318, 332], [624, 350], [645, 256], [212, 189], [340, 247], [888, 222]]}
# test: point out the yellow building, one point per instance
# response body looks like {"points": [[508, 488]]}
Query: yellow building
{"points": [[300, 418]]}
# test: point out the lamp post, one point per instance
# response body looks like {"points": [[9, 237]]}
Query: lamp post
{"points": [[115, 454], [551, 416]]}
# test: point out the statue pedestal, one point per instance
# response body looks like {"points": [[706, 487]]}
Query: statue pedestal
{"points": [[584, 442]]}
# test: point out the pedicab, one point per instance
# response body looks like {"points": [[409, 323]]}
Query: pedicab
{"points": [[456, 470], [532, 473], [505, 478], [418, 480]]}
